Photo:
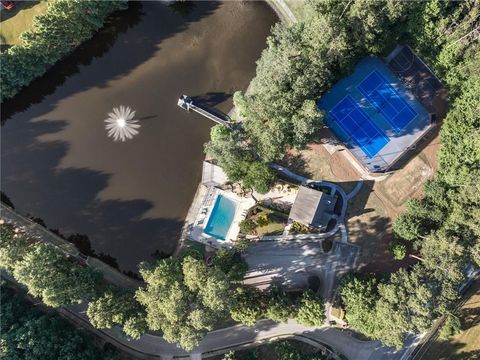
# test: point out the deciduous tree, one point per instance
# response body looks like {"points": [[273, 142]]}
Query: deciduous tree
{"points": [[311, 310]]}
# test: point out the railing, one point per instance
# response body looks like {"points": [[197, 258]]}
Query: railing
{"points": [[186, 103]]}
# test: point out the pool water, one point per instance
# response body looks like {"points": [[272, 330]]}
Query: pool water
{"points": [[221, 217]]}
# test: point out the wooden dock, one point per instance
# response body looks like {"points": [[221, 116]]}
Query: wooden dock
{"points": [[186, 103]]}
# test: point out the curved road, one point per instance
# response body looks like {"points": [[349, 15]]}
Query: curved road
{"points": [[155, 347]]}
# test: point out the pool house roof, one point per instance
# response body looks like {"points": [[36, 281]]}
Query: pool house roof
{"points": [[312, 207]]}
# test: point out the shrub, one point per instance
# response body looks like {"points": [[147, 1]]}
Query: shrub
{"points": [[298, 228], [397, 250], [263, 220], [241, 245], [247, 226], [451, 327], [311, 310]]}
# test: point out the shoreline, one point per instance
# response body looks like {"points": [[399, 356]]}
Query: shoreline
{"points": [[278, 6]]}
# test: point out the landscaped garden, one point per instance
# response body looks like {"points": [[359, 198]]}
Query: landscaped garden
{"points": [[262, 220], [297, 228]]}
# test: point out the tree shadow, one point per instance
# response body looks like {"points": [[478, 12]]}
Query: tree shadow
{"points": [[211, 99], [296, 163], [148, 117], [40, 175], [415, 150], [292, 264], [182, 8], [373, 237], [357, 205], [3, 45], [447, 349], [235, 335], [66, 200], [133, 31]]}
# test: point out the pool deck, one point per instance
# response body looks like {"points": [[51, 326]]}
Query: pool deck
{"points": [[204, 211]]}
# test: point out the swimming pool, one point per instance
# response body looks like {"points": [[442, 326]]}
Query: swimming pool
{"points": [[221, 217]]}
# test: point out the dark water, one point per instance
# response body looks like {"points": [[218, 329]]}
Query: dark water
{"points": [[128, 199]]}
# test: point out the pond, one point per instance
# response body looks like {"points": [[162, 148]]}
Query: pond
{"points": [[127, 201]]}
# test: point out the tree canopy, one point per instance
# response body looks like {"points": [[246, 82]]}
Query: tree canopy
{"points": [[248, 305], [28, 334], [64, 26], [227, 146], [444, 225], [118, 307], [184, 299], [311, 310], [45, 270]]}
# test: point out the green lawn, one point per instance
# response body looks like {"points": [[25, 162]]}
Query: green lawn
{"points": [[276, 220], [20, 19]]}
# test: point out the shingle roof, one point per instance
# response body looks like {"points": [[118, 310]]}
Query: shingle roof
{"points": [[312, 207]]}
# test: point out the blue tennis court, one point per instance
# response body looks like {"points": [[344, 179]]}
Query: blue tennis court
{"points": [[385, 99], [357, 124]]}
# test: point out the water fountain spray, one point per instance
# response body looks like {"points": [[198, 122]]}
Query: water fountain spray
{"points": [[121, 124]]}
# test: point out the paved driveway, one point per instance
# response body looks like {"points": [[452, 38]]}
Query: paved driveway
{"points": [[292, 262]]}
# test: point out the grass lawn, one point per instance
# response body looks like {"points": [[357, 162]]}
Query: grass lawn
{"points": [[404, 183], [20, 19], [276, 220], [465, 345], [369, 227]]}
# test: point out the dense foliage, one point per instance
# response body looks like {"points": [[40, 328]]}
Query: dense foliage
{"points": [[65, 25], [444, 225], [28, 334], [238, 162], [275, 304], [310, 310], [248, 305], [397, 250], [279, 306], [118, 307], [230, 263], [451, 327], [301, 62], [45, 270], [184, 299], [282, 350]]}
